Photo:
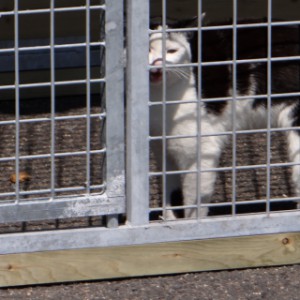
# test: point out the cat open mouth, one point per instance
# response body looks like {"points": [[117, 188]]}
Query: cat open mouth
{"points": [[156, 75]]}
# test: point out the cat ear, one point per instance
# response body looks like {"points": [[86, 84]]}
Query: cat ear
{"points": [[155, 22], [190, 23], [194, 22]]}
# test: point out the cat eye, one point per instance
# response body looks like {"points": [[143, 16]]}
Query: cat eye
{"points": [[170, 51]]}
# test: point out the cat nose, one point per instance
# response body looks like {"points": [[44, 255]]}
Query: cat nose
{"points": [[157, 62]]}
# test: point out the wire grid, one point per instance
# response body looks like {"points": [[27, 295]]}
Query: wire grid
{"points": [[137, 174], [52, 145], [254, 172]]}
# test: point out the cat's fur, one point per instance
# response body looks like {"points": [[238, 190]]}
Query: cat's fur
{"points": [[205, 118]]}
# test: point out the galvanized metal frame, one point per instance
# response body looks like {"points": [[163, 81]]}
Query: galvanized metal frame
{"points": [[137, 182], [137, 230], [160, 232], [112, 201], [269, 24]]}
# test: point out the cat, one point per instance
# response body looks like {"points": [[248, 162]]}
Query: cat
{"points": [[179, 111]]}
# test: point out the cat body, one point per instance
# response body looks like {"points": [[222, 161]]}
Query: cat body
{"points": [[194, 127]]}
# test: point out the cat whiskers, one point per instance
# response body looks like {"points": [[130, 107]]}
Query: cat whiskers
{"points": [[181, 73]]}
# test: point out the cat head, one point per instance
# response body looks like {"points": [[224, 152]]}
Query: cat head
{"points": [[170, 48]]}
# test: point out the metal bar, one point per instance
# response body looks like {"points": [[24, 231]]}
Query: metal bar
{"points": [[137, 112], [88, 95], [234, 104], [115, 121], [247, 167], [198, 81], [48, 155], [250, 131], [238, 97], [56, 190], [230, 62], [52, 89], [269, 106], [229, 204], [213, 63], [40, 202], [17, 99], [48, 84], [238, 26], [48, 10], [164, 109], [61, 208], [56, 118], [61, 44], [151, 233]]}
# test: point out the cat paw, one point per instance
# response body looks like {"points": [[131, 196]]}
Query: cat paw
{"points": [[169, 216]]}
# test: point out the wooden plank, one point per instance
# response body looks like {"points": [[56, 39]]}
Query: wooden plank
{"points": [[151, 259]]}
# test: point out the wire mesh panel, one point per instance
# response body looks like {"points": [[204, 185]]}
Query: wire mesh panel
{"points": [[212, 135], [61, 141], [224, 112]]}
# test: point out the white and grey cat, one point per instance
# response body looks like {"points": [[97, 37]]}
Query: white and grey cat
{"points": [[185, 117]]}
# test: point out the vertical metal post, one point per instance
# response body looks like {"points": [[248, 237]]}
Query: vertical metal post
{"points": [[17, 98], [52, 63], [234, 104], [269, 106], [164, 109], [198, 81], [88, 95], [137, 112], [115, 124]]}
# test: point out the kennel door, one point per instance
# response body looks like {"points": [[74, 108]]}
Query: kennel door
{"points": [[62, 109]]}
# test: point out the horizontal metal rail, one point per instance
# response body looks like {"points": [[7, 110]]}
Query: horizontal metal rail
{"points": [[47, 191], [55, 10], [228, 99], [230, 204], [56, 154], [248, 131], [230, 62], [56, 46], [158, 232], [60, 208], [101, 116], [221, 169], [48, 84], [222, 27]]}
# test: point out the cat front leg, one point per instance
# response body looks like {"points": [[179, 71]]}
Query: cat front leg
{"points": [[202, 182], [169, 183]]}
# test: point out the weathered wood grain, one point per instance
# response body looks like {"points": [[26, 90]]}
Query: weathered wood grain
{"points": [[151, 259]]}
